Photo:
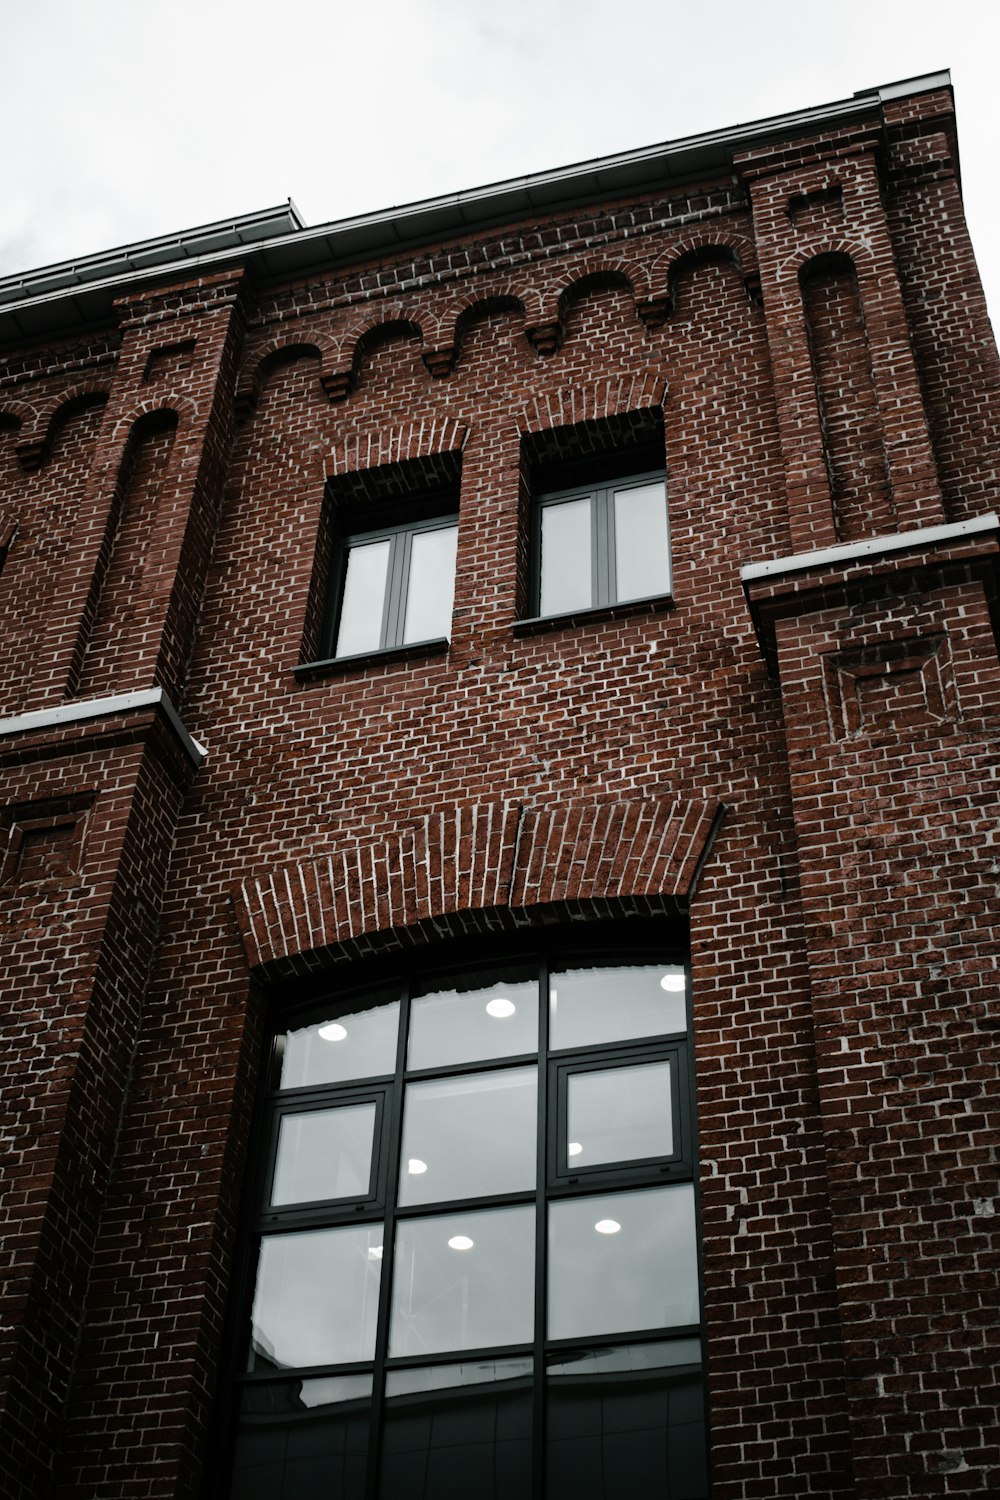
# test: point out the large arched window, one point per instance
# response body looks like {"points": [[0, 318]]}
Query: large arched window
{"points": [[474, 1259]]}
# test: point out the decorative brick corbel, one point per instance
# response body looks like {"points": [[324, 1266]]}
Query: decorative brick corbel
{"points": [[440, 362], [337, 384], [545, 337]]}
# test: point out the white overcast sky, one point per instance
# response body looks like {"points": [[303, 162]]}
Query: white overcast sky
{"points": [[124, 119]]}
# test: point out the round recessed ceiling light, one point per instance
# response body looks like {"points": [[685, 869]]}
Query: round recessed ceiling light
{"points": [[500, 1008], [415, 1166], [460, 1242], [574, 1148], [607, 1226], [674, 984], [333, 1032]]}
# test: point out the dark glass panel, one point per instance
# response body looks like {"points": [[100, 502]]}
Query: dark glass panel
{"points": [[463, 1281], [458, 1432], [475, 1021], [642, 551], [469, 1136], [303, 1439], [363, 598], [627, 1421], [324, 1153], [316, 1299], [430, 588], [618, 1115], [619, 1262], [344, 1047], [589, 1007], [566, 557]]}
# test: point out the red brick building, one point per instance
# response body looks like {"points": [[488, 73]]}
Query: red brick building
{"points": [[582, 591]]}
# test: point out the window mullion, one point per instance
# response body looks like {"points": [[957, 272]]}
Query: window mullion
{"points": [[394, 1125], [395, 590], [541, 1234], [598, 590]]}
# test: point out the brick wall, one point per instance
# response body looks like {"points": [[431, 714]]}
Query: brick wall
{"points": [[805, 784]]}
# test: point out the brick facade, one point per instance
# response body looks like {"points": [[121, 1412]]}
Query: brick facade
{"points": [[792, 761]]}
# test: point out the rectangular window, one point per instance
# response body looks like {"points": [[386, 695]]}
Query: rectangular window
{"points": [[603, 544], [393, 587], [474, 1262]]}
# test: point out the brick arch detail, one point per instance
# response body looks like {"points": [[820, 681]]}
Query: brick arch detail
{"points": [[36, 437], [472, 868], [441, 357], [396, 445], [340, 372], [175, 406], [282, 347], [17, 411], [546, 330], [614, 396], [665, 269]]}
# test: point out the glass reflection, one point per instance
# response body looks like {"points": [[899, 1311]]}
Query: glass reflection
{"points": [[475, 1022], [316, 1298], [469, 1136], [619, 1114], [627, 1421], [430, 588], [566, 557], [324, 1153], [463, 1281], [642, 553], [363, 599], [642, 1274], [344, 1047], [455, 1431], [307, 1438], [588, 1007]]}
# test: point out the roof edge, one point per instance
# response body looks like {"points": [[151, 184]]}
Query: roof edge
{"points": [[74, 293]]}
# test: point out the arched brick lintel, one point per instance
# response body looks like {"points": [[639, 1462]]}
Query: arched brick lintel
{"points": [[486, 866]]}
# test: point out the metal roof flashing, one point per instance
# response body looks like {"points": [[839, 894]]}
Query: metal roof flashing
{"points": [[275, 242]]}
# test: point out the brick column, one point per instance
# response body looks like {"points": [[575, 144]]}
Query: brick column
{"points": [[890, 683], [822, 197]]}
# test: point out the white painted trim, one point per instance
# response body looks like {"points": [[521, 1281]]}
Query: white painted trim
{"points": [[75, 712], [899, 541]]}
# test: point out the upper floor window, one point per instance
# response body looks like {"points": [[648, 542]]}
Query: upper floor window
{"points": [[474, 1257], [602, 544], [393, 587]]}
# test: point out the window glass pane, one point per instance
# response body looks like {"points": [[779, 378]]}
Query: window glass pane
{"points": [[458, 1431], [363, 598], [588, 1007], [324, 1153], [316, 1299], [622, 1261], [642, 551], [565, 557], [474, 1023], [307, 1438], [470, 1136], [619, 1115], [430, 591], [359, 1045], [627, 1421], [463, 1281]]}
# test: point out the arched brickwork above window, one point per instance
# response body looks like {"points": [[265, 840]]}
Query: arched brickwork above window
{"points": [[614, 396], [476, 868]]}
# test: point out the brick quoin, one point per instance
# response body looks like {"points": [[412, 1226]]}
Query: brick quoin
{"points": [[790, 761]]}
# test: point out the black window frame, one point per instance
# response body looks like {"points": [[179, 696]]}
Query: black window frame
{"points": [[550, 1186], [400, 537], [603, 541]]}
